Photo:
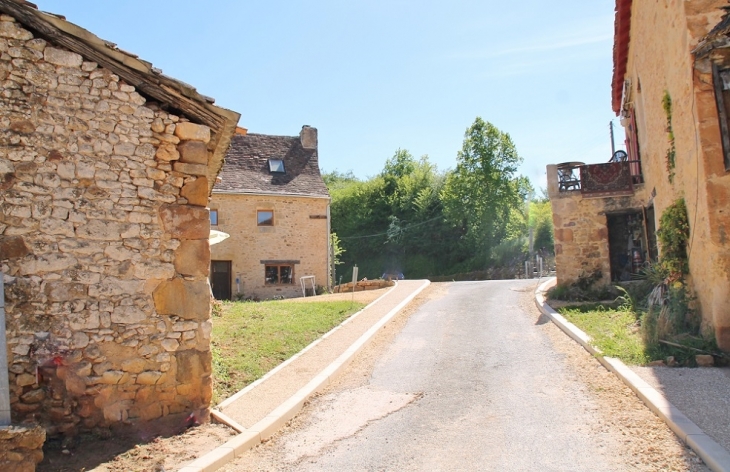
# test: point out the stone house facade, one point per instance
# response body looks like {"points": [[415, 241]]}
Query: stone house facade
{"points": [[671, 89], [273, 203], [106, 167]]}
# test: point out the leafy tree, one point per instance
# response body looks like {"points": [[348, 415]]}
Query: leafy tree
{"points": [[482, 193]]}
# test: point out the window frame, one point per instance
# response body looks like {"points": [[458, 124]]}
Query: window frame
{"points": [[264, 224], [278, 274], [213, 213], [275, 170]]}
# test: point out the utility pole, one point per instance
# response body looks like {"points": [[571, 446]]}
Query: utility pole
{"points": [[613, 143]]}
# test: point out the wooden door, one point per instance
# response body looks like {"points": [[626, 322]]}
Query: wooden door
{"points": [[220, 279]]}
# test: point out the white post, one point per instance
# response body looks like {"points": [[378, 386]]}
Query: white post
{"points": [[4, 385], [354, 281]]}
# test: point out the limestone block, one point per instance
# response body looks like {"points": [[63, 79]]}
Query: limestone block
{"points": [[12, 247], [185, 222], [149, 377], [192, 132], [192, 366], [64, 291], [13, 31], [188, 299], [24, 380], [134, 366], [101, 230], [167, 152], [157, 125], [193, 152], [34, 396], [62, 58], [153, 270], [193, 258], [170, 345], [196, 192], [127, 315], [48, 263], [191, 169], [79, 340], [22, 126], [112, 287]]}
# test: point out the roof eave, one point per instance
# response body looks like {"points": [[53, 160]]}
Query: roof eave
{"points": [[270, 194], [621, 41]]}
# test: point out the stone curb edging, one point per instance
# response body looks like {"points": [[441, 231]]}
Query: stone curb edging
{"points": [[266, 427], [713, 454]]}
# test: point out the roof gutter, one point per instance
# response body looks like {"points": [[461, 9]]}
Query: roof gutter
{"points": [[621, 40]]}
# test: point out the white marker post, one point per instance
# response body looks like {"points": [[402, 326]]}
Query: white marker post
{"points": [[354, 283]]}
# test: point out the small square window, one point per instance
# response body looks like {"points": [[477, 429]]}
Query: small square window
{"points": [[214, 217], [276, 166], [265, 218]]}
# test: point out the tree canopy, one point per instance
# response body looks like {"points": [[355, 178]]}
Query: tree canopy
{"points": [[414, 218]]}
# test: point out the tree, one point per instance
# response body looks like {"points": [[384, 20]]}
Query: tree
{"points": [[481, 194]]}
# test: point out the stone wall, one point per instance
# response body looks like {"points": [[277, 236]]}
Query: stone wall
{"points": [[21, 448], [581, 231], [660, 63], [364, 285], [300, 233], [103, 234]]}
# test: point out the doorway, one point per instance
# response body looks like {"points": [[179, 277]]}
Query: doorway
{"points": [[627, 244], [220, 279]]}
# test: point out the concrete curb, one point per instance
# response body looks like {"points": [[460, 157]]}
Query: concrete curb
{"points": [[275, 420], [713, 454]]}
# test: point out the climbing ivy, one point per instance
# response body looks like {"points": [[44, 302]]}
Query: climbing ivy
{"points": [[673, 234], [672, 151]]}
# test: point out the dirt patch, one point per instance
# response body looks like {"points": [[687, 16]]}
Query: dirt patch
{"points": [[92, 453]]}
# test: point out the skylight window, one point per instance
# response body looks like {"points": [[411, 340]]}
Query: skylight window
{"points": [[276, 166]]}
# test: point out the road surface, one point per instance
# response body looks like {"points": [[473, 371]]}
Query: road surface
{"points": [[474, 380]]}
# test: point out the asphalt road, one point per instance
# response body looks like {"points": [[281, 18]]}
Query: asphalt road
{"points": [[471, 382]]}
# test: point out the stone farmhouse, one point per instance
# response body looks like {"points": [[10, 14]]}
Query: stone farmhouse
{"points": [[671, 88], [106, 167], [272, 200]]}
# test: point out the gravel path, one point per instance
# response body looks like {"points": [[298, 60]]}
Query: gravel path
{"points": [[702, 394]]}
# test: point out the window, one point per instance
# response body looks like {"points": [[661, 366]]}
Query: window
{"points": [[279, 274], [265, 218], [276, 166], [722, 98], [214, 217]]}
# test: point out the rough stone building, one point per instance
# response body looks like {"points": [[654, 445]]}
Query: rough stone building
{"points": [[272, 201], [671, 87], [106, 167]]}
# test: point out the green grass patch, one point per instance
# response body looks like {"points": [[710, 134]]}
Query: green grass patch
{"points": [[614, 332], [249, 339]]}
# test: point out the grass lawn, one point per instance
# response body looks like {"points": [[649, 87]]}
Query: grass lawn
{"points": [[615, 333], [249, 339]]}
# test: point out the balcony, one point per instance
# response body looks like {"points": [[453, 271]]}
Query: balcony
{"points": [[614, 178]]}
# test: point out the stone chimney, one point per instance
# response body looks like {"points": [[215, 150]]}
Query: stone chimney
{"points": [[308, 136]]}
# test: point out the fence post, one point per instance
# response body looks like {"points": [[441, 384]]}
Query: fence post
{"points": [[4, 386]]}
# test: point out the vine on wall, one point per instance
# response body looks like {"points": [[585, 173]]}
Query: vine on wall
{"points": [[672, 151]]}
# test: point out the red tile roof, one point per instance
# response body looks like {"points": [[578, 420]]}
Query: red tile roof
{"points": [[621, 39]]}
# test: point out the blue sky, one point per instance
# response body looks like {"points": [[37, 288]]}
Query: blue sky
{"points": [[377, 76]]}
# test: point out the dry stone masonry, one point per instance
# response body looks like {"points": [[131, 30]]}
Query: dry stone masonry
{"points": [[104, 241]]}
